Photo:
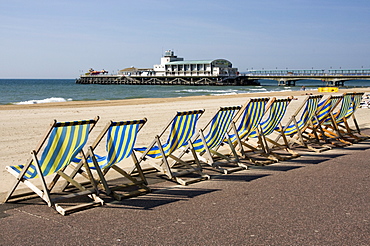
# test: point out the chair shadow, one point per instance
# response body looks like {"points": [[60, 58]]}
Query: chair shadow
{"points": [[282, 168], [308, 161], [359, 148], [158, 198], [239, 178]]}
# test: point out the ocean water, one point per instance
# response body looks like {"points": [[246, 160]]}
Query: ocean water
{"points": [[33, 91]]}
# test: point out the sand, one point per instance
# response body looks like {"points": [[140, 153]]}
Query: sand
{"points": [[23, 126]]}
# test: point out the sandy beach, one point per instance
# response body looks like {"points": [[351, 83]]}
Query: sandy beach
{"points": [[22, 126]]}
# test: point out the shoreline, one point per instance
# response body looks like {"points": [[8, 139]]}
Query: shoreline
{"points": [[138, 101]]}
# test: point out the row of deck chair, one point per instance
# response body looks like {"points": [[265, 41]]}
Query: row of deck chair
{"points": [[229, 142]]}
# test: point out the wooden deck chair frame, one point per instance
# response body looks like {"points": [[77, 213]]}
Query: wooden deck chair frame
{"points": [[123, 137], [294, 128], [180, 129], [276, 109], [248, 120], [357, 98], [338, 113], [337, 128], [60, 135], [322, 123], [343, 127], [207, 145]]}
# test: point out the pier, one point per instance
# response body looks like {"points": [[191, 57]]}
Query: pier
{"points": [[332, 77], [337, 79], [166, 80], [174, 70]]}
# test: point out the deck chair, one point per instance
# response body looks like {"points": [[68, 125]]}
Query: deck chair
{"points": [[180, 130], [350, 104], [276, 109], [120, 141], [207, 145], [357, 98], [64, 140], [295, 127], [322, 119], [248, 120]]}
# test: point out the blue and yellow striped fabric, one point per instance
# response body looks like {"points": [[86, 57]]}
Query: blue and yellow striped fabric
{"points": [[251, 118], [121, 138], [308, 112], [182, 129], [277, 112], [217, 129], [65, 141], [323, 111]]}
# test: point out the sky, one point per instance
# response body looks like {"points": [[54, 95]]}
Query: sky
{"points": [[62, 39]]}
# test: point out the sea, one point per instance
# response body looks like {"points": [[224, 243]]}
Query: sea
{"points": [[34, 91]]}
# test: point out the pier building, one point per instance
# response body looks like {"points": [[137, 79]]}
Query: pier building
{"points": [[172, 65], [175, 70]]}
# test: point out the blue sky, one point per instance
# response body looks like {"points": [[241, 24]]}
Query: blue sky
{"points": [[60, 39]]}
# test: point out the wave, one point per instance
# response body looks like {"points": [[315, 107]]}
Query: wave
{"points": [[258, 89], [46, 100], [206, 91], [223, 94]]}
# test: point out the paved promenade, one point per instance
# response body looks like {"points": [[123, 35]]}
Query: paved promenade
{"points": [[317, 199]]}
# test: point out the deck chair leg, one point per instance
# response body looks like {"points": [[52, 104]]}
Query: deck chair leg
{"points": [[98, 170], [196, 159], [46, 196], [238, 140], [138, 168], [19, 179], [233, 151], [90, 175], [164, 164], [209, 158]]}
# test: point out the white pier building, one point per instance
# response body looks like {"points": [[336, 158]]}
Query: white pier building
{"points": [[172, 65]]}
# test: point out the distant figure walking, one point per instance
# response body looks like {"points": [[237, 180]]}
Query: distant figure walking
{"points": [[303, 88]]}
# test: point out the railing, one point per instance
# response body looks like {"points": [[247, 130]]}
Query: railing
{"points": [[285, 72], [307, 72]]}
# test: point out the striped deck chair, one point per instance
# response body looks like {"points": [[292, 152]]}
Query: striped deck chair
{"points": [[264, 145], [357, 98], [322, 118], [120, 140], [180, 130], [351, 102], [207, 145], [64, 141], [295, 127], [249, 118]]}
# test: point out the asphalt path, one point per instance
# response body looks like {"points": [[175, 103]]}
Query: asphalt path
{"points": [[316, 199]]}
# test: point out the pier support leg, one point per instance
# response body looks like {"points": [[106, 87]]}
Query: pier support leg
{"points": [[282, 82]]}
